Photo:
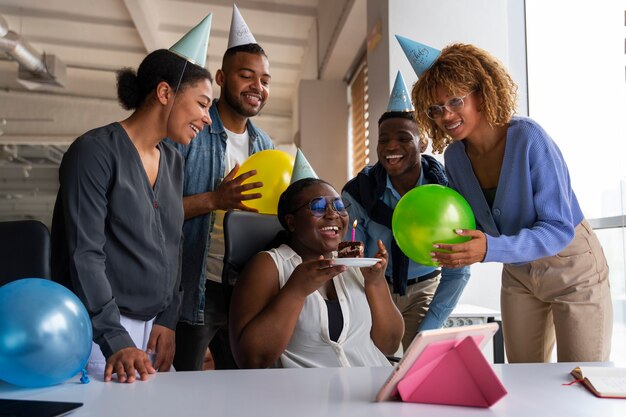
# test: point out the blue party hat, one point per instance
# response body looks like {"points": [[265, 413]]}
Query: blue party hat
{"points": [[400, 100], [193, 46], [302, 168], [419, 55]]}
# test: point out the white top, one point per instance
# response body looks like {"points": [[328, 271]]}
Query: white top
{"points": [[237, 147], [310, 345]]}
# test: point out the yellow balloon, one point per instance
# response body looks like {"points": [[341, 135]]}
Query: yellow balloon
{"points": [[274, 170]]}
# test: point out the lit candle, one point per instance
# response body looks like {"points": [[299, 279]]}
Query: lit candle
{"points": [[354, 230]]}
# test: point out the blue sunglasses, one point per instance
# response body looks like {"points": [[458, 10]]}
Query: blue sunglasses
{"points": [[319, 205]]}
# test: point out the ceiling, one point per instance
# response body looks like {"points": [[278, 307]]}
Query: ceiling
{"points": [[94, 39]]}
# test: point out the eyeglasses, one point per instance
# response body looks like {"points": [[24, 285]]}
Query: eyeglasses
{"points": [[454, 105], [319, 205]]}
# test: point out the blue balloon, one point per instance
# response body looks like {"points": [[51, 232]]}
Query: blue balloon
{"points": [[45, 333]]}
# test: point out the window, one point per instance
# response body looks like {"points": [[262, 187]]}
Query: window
{"points": [[578, 94], [358, 145]]}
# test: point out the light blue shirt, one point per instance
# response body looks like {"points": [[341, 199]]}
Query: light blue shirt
{"points": [[535, 210], [452, 282]]}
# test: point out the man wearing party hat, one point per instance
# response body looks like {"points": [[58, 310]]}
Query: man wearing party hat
{"points": [[212, 185], [424, 295]]}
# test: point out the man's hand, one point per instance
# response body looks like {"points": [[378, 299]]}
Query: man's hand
{"points": [[229, 194]]}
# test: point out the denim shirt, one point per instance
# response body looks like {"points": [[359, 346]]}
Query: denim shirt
{"points": [[453, 280], [204, 170]]}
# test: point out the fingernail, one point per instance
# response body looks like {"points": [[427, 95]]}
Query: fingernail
{"points": [[433, 254], [459, 231], [436, 246], [149, 351]]}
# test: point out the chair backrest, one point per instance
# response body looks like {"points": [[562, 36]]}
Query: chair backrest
{"points": [[245, 235], [24, 250]]}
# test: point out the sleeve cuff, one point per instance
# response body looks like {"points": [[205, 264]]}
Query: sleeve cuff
{"points": [[115, 343]]}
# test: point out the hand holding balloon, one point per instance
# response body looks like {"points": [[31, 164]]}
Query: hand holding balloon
{"points": [[461, 254], [428, 215], [274, 169], [230, 193]]}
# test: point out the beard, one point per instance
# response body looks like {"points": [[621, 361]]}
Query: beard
{"points": [[236, 103]]}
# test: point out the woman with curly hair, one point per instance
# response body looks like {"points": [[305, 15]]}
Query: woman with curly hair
{"points": [[555, 277]]}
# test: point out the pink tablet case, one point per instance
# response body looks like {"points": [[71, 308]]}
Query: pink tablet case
{"points": [[453, 373]]}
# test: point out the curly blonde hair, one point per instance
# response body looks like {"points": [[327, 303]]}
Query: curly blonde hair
{"points": [[460, 69]]}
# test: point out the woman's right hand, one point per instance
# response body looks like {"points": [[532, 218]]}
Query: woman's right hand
{"points": [[126, 362], [309, 276]]}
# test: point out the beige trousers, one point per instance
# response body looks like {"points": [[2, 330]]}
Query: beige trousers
{"points": [[414, 305], [565, 297]]}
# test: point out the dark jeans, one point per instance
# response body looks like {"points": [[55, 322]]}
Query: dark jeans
{"points": [[192, 340]]}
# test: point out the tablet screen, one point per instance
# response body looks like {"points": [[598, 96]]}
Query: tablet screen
{"points": [[30, 408]]}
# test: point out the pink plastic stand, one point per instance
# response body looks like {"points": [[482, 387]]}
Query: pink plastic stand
{"points": [[453, 373]]}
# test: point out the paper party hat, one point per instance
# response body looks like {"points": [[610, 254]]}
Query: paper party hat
{"points": [[239, 32], [419, 55], [193, 46]]}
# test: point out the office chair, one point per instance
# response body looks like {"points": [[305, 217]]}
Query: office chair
{"points": [[24, 250], [245, 235]]}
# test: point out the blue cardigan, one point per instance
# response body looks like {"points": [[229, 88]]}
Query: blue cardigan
{"points": [[535, 209]]}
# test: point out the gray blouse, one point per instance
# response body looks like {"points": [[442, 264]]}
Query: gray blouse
{"points": [[115, 239]]}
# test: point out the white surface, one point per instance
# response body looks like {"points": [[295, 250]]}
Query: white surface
{"points": [[534, 390], [470, 310], [357, 262]]}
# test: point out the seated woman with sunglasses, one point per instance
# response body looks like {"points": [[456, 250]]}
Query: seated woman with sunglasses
{"points": [[555, 277], [294, 307]]}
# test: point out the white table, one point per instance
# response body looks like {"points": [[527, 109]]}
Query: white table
{"points": [[534, 390]]}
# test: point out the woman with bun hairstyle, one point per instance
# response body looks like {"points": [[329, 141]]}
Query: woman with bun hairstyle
{"points": [[294, 307], [555, 283], [116, 228]]}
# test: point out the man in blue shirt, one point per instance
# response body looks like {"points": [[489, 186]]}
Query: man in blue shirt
{"points": [[211, 187], [424, 295]]}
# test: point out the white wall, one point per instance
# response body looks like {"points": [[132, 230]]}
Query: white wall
{"points": [[322, 103], [324, 128]]}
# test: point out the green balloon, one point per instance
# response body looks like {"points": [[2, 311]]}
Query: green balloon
{"points": [[429, 214]]}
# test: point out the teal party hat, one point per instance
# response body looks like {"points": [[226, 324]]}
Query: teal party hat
{"points": [[193, 46], [302, 168]]}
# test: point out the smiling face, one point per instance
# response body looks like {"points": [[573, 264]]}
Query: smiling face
{"points": [[464, 123], [245, 81], [312, 236], [399, 148], [190, 111]]}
